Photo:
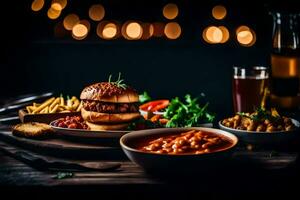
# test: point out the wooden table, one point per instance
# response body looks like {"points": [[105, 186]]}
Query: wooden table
{"points": [[131, 179]]}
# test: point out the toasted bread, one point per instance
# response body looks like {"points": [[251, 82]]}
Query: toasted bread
{"points": [[31, 130]]}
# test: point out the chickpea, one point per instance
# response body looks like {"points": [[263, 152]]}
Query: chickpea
{"points": [[159, 151], [193, 144], [260, 128], [252, 126], [206, 151], [267, 122], [206, 145], [270, 128], [229, 124], [177, 151]]}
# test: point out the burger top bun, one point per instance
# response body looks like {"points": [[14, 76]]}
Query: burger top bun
{"points": [[109, 92]]}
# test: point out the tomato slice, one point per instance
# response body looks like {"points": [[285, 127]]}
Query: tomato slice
{"points": [[155, 105]]}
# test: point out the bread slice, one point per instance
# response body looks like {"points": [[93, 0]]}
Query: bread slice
{"points": [[31, 130]]}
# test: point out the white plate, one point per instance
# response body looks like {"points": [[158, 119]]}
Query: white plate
{"points": [[277, 137], [82, 133]]}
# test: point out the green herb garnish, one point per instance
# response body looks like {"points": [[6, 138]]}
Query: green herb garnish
{"points": [[144, 97], [188, 113], [119, 82], [262, 114], [63, 175]]}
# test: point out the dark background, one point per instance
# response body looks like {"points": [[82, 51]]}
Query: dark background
{"points": [[34, 60]]}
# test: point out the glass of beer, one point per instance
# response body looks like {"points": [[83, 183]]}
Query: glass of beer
{"points": [[249, 88]]}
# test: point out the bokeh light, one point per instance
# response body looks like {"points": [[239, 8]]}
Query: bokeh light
{"points": [[37, 5], [170, 11], [212, 35], [53, 14], [172, 30], [132, 30], [245, 36], [79, 31], [56, 6], [59, 4], [219, 12], [86, 23], [96, 12], [225, 34], [108, 30], [70, 21]]}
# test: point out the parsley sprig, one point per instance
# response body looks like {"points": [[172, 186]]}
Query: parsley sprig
{"points": [[119, 82], [187, 113], [262, 114]]}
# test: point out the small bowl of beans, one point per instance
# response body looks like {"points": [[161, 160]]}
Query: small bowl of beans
{"points": [[173, 149], [248, 128]]}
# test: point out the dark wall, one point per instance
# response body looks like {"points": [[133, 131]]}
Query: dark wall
{"points": [[34, 60]]}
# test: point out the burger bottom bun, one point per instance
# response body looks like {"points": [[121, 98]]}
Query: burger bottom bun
{"points": [[115, 118], [105, 127]]}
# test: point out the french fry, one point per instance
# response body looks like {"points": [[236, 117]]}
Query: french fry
{"points": [[54, 103], [69, 103], [79, 107], [62, 101], [76, 104], [44, 110], [43, 105], [28, 108], [54, 109], [36, 105]]}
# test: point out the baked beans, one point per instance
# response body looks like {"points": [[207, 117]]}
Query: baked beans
{"points": [[190, 142], [74, 122]]}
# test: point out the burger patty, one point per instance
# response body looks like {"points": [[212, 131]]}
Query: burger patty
{"points": [[105, 107]]}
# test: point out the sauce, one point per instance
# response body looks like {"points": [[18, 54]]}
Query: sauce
{"points": [[190, 142]]}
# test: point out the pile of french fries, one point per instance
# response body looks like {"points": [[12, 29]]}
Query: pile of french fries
{"points": [[55, 105]]}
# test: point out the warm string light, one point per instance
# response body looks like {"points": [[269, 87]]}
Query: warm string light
{"points": [[56, 8], [172, 30], [37, 5], [79, 31], [219, 12], [96, 12], [245, 36], [53, 14], [170, 11], [132, 30], [108, 30], [70, 21], [212, 35]]}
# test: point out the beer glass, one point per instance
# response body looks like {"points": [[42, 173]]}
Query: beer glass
{"points": [[249, 88]]}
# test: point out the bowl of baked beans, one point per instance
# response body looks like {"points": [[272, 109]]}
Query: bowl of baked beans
{"points": [[169, 149]]}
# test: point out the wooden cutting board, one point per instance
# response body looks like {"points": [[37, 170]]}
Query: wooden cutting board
{"points": [[62, 147]]}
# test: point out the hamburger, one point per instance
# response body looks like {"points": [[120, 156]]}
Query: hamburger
{"points": [[109, 106]]}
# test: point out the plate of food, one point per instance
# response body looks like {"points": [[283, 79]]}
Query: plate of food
{"points": [[109, 110], [180, 148], [262, 127]]}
